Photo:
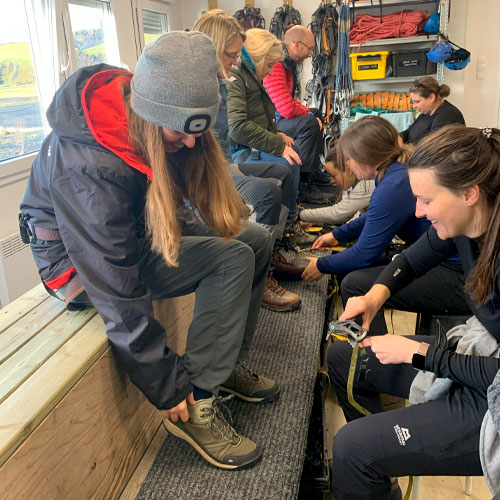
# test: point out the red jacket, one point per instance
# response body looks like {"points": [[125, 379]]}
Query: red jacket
{"points": [[279, 87]]}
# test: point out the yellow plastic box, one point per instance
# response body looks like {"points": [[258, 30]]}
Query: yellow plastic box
{"points": [[368, 65]]}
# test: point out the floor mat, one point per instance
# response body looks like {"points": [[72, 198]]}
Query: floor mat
{"points": [[285, 347]]}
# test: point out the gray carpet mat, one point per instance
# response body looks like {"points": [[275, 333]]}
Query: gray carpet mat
{"points": [[285, 347]]}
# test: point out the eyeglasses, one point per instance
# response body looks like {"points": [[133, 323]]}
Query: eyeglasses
{"points": [[309, 49], [232, 55]]}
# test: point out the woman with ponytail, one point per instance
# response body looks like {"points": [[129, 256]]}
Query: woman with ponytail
{"points": [[428, 98], [453, 425], [130, 200], [370, 149]]}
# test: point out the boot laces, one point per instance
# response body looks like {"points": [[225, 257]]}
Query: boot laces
{"points": [[245, 373], [274, 287], [221, 421], [278, 257]]}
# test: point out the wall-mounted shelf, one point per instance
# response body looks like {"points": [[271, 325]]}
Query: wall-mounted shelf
{"points": [[395, 41], [390, 79]]}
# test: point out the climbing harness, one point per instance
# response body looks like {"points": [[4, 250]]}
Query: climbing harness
{"points": [[250, 17], [344, 89], [283, 19], [320, 90], [354, 334]]}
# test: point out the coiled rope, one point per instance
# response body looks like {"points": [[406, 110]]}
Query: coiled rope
{"points": [[398, 25]]}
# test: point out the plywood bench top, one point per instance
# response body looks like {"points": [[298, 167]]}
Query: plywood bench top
{"points": [[44, 351]]}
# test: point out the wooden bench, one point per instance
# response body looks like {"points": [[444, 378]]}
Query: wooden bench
{"points": [[72, 425]]}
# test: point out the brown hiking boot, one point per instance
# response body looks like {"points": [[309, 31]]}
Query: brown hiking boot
{"points": [[301, 237], [213, 437], [249, 386], [283, 270], [277, 298]]}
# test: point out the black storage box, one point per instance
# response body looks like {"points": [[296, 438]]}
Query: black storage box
{"points": [[412, 63]]}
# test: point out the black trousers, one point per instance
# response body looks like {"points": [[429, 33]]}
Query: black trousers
{"points": [[308, 140], [440, 437], [439, 291]]}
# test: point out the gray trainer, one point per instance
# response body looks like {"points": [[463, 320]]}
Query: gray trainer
{"points": [[249, 386], [213, 437]]}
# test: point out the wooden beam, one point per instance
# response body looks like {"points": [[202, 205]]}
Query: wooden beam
{"points": [[212, 4], [250, 3]]}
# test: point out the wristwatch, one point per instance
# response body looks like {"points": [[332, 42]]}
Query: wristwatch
{"points": [[418, 358]]}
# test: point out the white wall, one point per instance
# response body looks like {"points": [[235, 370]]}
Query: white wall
{"points": [[476, 90]]}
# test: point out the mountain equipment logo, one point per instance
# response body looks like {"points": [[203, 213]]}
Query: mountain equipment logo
{"points": [[403, 434]]}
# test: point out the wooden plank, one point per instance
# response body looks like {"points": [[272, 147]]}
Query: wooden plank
{"points": [[21, 306], [89, 445], [24, 409], [21, 365], [28, 326], [132, 488]]}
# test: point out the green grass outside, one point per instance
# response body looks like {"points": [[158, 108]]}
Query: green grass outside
{"points": [[95, 51]]}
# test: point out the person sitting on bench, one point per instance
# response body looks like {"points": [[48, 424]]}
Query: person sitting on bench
{"points": [[355, 198], [130, 200], [455, 175], [371, 150]]}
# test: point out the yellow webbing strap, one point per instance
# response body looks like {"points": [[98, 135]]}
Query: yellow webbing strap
{"points": [[363, 410], [350, 381], [408, 490]]}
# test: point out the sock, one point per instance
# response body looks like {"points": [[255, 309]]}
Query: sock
{"points": [[201, 394]]}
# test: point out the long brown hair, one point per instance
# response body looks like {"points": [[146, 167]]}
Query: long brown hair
{"points": [[198, 176], [372, 141], [463, 157]]}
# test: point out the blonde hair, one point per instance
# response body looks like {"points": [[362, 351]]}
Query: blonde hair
{"points": [[198, 176], [372, 141], [261, 45], [222, 28]]}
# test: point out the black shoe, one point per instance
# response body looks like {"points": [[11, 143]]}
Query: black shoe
{"points": [[311, 195], [321, 178]]}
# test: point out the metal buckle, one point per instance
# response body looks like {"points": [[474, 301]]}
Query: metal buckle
{"points": [[348, 329]]}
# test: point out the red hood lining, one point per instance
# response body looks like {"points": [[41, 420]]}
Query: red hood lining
{"points": [[106, 117]]}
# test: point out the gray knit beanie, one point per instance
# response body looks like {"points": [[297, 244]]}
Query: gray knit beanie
{"points": [[175, 82]]}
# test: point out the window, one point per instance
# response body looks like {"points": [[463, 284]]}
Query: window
{"points": [[21, 122], [154, 24], [94, 32]]}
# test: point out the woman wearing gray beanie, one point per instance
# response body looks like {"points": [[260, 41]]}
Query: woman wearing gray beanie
{"points": [[129, 200]]}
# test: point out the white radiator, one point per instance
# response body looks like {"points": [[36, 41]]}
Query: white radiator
{"points": [[18, 272]]}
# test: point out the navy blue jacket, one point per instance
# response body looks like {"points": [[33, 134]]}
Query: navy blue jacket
{"points": [[391, 212], [94, 194]]}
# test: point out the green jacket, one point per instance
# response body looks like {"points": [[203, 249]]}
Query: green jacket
{"points": [[251, 113]]}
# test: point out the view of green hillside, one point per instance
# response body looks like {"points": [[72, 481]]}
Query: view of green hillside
{"points": [[17, 79]]}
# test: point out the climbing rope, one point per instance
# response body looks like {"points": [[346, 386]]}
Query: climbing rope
{"points": [[398, 25]]}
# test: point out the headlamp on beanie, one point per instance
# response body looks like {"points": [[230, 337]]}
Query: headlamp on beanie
{"points": [[175, 82]]}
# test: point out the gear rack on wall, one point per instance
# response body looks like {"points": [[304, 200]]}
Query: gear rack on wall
{"points": [[411, 44]]}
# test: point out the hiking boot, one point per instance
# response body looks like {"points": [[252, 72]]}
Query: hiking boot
{"points": [[283, 270], [311, 195], [301, 237], [321, 178], [277, 298], [213, 437], [249, 386]]}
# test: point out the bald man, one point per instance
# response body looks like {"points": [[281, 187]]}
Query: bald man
{"points": [[292, 117]]}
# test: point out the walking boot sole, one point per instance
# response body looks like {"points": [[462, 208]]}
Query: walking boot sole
{"points": [[291, 307], [177, 432], [249, 399]]}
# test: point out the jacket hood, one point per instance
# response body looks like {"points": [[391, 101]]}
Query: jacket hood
{"points": [[89, 109]]}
